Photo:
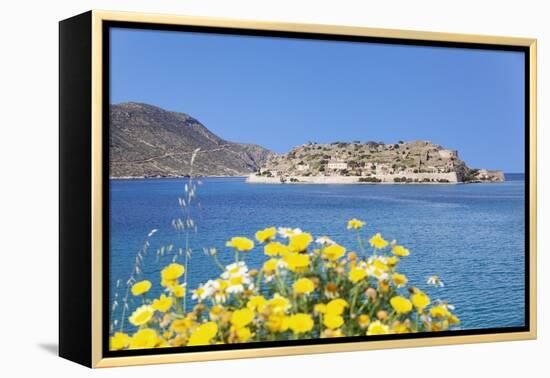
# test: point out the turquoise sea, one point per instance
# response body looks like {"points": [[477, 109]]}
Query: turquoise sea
{"points": [[472, 235]]}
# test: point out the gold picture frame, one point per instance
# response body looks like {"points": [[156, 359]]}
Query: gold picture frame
{"points": [[82, 41]]}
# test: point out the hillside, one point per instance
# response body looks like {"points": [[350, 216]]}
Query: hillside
{"points": [[147, 141], [371, 162]]}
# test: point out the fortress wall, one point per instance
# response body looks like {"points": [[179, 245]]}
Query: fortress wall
{"points": [[452, 177]]}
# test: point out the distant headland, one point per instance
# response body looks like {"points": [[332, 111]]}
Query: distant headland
{"points": [[419, 162]]}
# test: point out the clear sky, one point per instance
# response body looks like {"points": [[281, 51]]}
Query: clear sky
{"points": [[280, 93]]}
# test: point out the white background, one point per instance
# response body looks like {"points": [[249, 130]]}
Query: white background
{"points": [[29, 174]]}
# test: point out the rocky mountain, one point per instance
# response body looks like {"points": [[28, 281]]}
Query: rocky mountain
{"points": [[147, 141], [371, 162]]}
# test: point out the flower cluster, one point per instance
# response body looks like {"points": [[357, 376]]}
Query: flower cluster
{"points": [[307, 288]]}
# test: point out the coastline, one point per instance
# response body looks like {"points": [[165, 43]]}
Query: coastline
{"points": [[172, 177]]}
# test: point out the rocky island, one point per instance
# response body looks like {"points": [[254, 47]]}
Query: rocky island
{"points": [[419, 162]]}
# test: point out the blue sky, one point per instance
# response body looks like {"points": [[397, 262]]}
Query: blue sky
{"points": [[280, 93]]}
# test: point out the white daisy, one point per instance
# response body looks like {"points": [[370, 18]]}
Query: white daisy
{"points": [[435, 281], [287, 232], [324, 240]]}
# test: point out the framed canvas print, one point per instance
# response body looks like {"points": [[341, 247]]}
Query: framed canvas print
{"points": [[236, 189]]}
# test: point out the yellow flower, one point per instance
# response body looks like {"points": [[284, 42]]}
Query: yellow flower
{"points": [[275, 249], [380, 266], [215, 312], [392, 261], [181, 325], [172, 272], [277, 323], [243, 334], [297, 262], [399, 250], [363, 320], [204, 334], [333, 321], [399, 280], [266, 234], [336, 306], [303, 286], [178, 290], [420, 300], [377, 328], [378, 242], [357, 274], [257, 303], [440, 312], [240, 243], [144, 338], [320, 308], [278, 304], [120, 341], [454, 320], [241, 318], [355, 224], [300, 242], [333, 252], [400, 304], [270, 266], [141, 287], [300, 323], [162, 304], [141, 315]]}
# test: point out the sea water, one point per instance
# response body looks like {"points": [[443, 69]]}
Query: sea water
{"points": [[471, 235]]}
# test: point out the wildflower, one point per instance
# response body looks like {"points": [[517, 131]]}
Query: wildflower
{"points": [[392, 261], [398, 327], [215, 312], [324, 240], [141, 287], [297, 262], [333, 321], [300, 323], [440, 312], [352, 256], [235, 269], [120, 341], [266, 234], [241, 318], [420, 300], [257, 303], [357, 274], [355, 224], [178, 291], [277, 323], [399, 250], [141, 315], [363, 320], [204, 334], [382, 315], [400, 304], [320, 308], [172, 272], [270, 266], [236, 284], [162, 304], [378, 328], [336, 306], [243, 334], [181, 325], [435, 281], [240, 243], [276, 249], [201, 293], [144, 338], [378, 242], [333, 252], [399, 280], [286, 232], [300, 242], [303, 286], [278, 304], [331, 290]]}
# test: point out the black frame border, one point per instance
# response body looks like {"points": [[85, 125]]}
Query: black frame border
{"points": [[106, 27]]}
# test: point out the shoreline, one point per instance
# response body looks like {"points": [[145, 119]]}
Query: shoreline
{"points": [[173, 177]]}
